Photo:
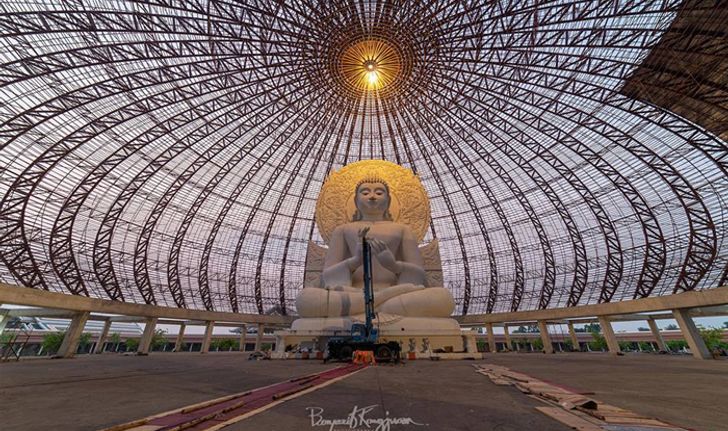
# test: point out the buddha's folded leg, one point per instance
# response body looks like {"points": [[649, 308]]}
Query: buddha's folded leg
{"points": [[317, 302], [429, 302]]}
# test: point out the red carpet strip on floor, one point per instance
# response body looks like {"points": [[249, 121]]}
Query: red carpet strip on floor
{"points": [[206, 415]]}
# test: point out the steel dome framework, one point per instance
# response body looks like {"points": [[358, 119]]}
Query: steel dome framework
{"points": [[171, 152]]}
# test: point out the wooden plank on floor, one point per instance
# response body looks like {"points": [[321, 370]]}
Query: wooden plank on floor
{"points": [[569, 419]]}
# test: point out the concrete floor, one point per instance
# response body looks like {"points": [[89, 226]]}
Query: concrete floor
{"points": [[437, 395], [676, 389], [92, 392]]}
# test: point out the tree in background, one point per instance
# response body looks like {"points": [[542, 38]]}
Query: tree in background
{"points": [[159, 339], [589, 327], [530, 329], [671, 327], [115, 339], [713, 338], [599, 343], [643, 329], [84, 341]]}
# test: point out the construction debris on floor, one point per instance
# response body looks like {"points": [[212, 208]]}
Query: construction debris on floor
{"points": [[572, 408]]}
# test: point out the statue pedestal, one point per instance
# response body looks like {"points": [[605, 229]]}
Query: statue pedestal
{"points": [[418, 336]]}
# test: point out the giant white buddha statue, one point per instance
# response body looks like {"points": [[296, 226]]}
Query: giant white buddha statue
{"points": [[402, 296]]}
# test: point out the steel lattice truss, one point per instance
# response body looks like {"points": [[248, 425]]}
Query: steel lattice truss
{"points": [[171, 152]]}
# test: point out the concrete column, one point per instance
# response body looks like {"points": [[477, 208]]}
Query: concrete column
{"points": [[691, 334], [574, 338], [102, 338], [243, 336], [73, 333], [658, 336], [259, 337], [180, 337], [507, 333], [208, 336], [608, 334], [491, 338], [146, 340], [4, 319], [545, 337]]}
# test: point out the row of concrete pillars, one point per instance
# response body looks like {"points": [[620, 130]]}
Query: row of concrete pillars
{"points": [[78, 322], [689, 331]]}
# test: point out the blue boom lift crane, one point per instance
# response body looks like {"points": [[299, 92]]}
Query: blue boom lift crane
{"points": [[364, 336]]}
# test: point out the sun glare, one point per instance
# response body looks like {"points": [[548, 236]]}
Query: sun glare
{"points": [[370, 65]]}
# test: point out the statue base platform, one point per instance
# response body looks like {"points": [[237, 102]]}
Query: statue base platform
{"points": [[418, 336]]}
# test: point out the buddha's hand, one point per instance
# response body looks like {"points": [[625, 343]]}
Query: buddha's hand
{"points": [[385, 256], [356, 261]]}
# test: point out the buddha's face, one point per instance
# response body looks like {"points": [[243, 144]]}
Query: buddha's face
{"points": [[372, 199]]}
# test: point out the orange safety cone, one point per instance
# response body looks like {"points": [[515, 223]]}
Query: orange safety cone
{"points": [[364, 357]]}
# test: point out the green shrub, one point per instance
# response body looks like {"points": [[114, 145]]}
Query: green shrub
{"points": [[676, 345], [52, 342], [537, 344], [7, 338], [132, 344], [644, 345], [625, 346], [227, 344]]}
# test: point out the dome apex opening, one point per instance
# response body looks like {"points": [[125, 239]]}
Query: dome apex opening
{"points": [[370, 65]]}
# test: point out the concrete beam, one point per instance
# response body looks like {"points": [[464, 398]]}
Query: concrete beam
{"points": [[197, 323], [543, 330], [719, 310], [658, 336], [208, 336], [609, 336], [147, 335], [180, 338], [491, 338], [102, 337], [10, 294], [40, 312], [243, 336], [259, 337], [73, 333], [574, 338], [691, 334], [128, 319], [703, 298]]}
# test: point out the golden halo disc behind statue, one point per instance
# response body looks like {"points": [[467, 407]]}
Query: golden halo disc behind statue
{"points": [[409, 202]]}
